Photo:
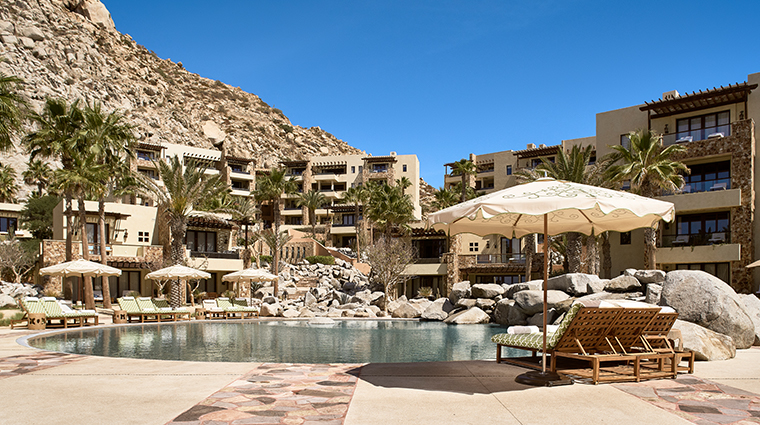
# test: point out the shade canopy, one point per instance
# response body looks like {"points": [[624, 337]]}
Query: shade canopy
{"points": [[570, 207], [250, 274], [80, 267], [178, 272], [755, 264]]}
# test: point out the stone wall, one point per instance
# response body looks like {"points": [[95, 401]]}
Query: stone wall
{"points": [[741, 146]]}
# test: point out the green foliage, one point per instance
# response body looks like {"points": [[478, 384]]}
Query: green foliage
{"points": [[286, 128], [37, 216], [265, 258], [228, 294], [6, 321], [12, 109], [321, 259], [425, 292]]}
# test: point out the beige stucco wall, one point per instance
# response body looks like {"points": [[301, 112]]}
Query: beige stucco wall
{"points": [[611, 125], [753, 112]]}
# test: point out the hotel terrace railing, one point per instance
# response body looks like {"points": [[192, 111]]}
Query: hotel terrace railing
{"points": [[230, 255], [499, 258], [425, 260], [696, 135], [695, 239]]}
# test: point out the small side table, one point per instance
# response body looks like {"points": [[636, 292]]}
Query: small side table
{"points": [[36, 321], [119, 316], [200, 314]]}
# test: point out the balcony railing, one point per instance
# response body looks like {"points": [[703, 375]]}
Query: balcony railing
{"points": [[695, 135], [239, 171], [704, 186], [436, 260], [230, 255], [500, 258], [695, 239]]}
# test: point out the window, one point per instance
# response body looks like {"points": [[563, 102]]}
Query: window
{"points": [[348, 219], [625, 238], [146, 155], [405, 168], [625, 141], [125, 283], [508, 279], [353, 169], [706, 177], [8, 224], [200, 241], [143, 236], [237, 168], [379, 168], [239, 185], [535, 162], [149, 173], [473, 246], [509, 170], [701, 127], [360, 168]]}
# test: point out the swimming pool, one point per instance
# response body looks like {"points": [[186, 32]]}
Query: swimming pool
{"points": [[281, 341]]}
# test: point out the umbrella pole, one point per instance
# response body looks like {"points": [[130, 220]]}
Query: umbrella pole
{"points": [[544, 378]]}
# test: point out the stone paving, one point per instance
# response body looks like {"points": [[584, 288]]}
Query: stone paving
{"points": [[18, 365], [275, 393], [699, 400]]}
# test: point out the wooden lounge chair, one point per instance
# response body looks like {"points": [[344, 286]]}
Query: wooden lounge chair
{"points": [[22, 303], [241, 302], [85, 315], [53, 313], [657, 337], [163, 305], [129, 305], [213, 311], [603, 335], [232, 311]]}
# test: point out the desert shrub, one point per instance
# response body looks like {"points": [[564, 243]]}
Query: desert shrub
{"points": [[321, 259], [265, 258]]}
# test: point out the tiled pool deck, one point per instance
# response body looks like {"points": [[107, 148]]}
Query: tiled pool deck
{"points": [[38, 387]]}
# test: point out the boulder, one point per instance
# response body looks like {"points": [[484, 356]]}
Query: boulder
{"points": [[702, 298], [307, 313], [465, 303], [601, 296], [6, 28], [421, 304], [538, 319], [438, 309], [596, 286], [459, 290], [405, 311], [752, 306], [7, 300], [525, 286], [623, 283], [484, 303], [531, 302], [486, 290], [290, 313], [472, 316], [334, 312], [310, 299], [649, 276], [506, 313], [706, 344], [572, 283], [270, 310], [654, 292], [363, 297]]}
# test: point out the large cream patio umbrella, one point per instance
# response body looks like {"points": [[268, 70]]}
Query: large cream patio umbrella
{"points": [[551, 207], [250, 275], [178, 272], [80, 268]]}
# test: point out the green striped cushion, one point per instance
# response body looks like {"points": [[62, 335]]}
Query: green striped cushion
{"points": [[536, 340]]}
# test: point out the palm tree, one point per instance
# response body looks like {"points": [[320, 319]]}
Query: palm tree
{"points": [[358, 196], [464, 168], [81, 181], [311, 200], [244, 212], [270, 188], [110, 140], [182, 189], [8, 186], [445, 198], [275, 242], [572, 167], [38, 173], [650, 168], [404, 183], [390, 208], [58, 137], [12, 109]]}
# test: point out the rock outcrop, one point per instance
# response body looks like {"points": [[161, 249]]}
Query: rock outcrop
{"points": [[70, 49], [702, 298]]}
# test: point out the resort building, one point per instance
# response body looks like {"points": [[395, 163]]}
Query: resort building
{"points": [[10, 217], [715, 229], [332, 176]]}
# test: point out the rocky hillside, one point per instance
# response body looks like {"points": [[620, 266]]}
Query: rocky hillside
{"points": [[71, 49]]}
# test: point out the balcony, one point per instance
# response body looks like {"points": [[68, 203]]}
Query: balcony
{"points": [[228, 255], [704, 201], [500, 258], [695, 239], [699, 254]]}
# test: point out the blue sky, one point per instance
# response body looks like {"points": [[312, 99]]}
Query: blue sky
{"points": [[441, 79]]}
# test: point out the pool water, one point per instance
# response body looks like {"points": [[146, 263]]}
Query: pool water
{"points": [[282, 342]]}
